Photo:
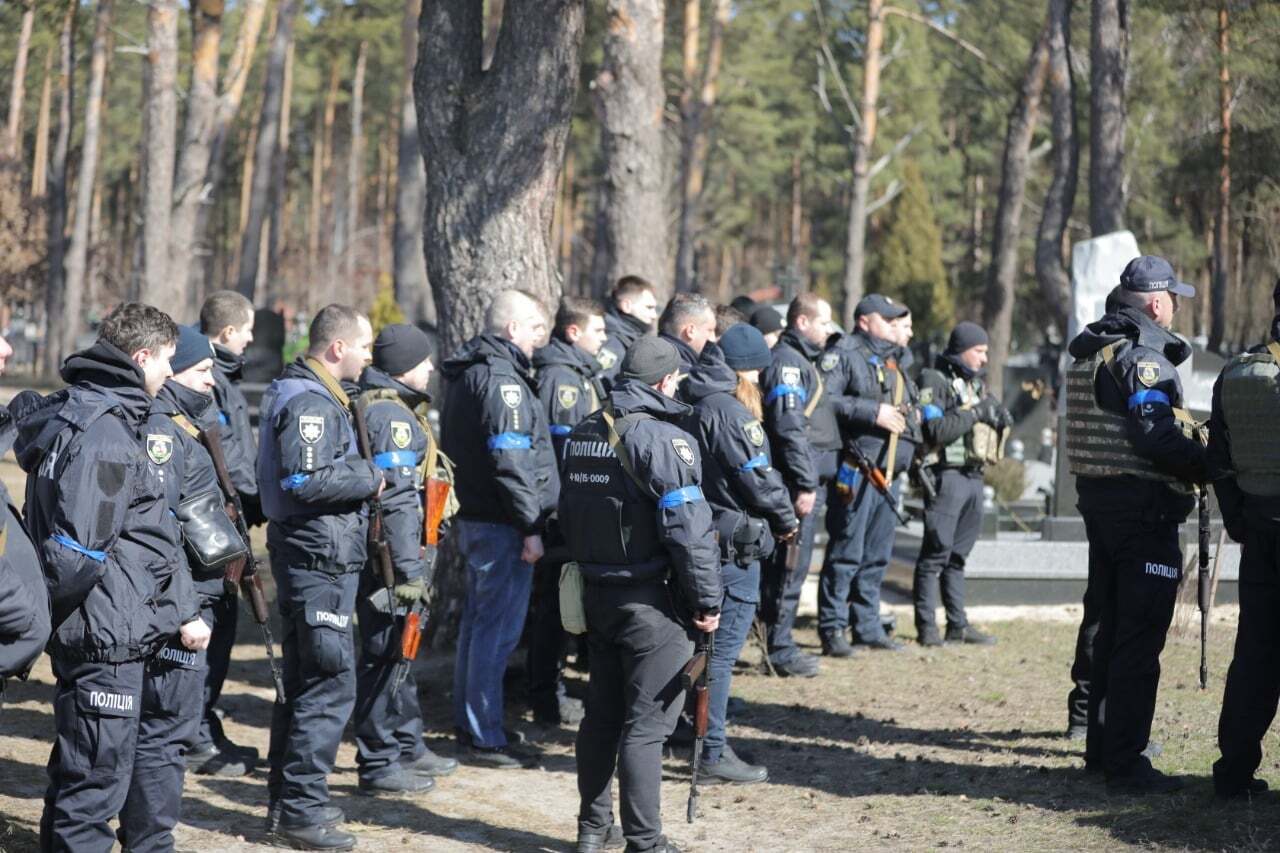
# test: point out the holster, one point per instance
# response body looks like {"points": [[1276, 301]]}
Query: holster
{"points": [[209, 536]]}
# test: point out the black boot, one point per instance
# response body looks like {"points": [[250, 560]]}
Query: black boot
{"points": [[970, 635], [328, 815], [731, 770], [662, 846], [798, 665], [1143, 779], [836, 645], [314, 837], [590, 841], [400, 782], [927, 635], [430, 764]]}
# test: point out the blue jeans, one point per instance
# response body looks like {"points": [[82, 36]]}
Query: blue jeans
{"points": [[498, 584], [735, 623], [858, 550]]}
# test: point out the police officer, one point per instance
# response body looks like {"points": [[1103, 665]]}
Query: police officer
{"points": [[314, 486], [860, 521], [1135, 455], [1241, 458], [507, 481], [227, 319], [632, 310], [767, 319], [24, 600], [688, 323], [183, 408], [963, 428], [118, 585], [390, 754], [751, 508], [640, 530], [800, 419], [569, 389]]}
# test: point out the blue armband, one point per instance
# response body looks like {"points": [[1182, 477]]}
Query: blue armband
{"points": [[510, 441], [687, 495], [1148, 395], [294, 481], [396, 459], [760, 461], [930, 412], [223, 419], [560, 429], [784, 390], [67, 542]]}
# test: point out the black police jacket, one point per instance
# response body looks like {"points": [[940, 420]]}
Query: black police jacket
{"points": [[569, 388], [235, 429], [688, 358], [399, 445], [24, 600], [804, 448], [313, 482], [865, 371], [496, 434], [97, 513], [623, 330], [601, 504], [945, 420], [737, 471], [1147, 390]]}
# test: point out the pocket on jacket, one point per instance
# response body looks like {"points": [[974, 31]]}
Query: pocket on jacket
{"points": [[327, 647], [105, 711]]}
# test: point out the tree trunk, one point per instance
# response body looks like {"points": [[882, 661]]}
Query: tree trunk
{"points": [[197, 136], [1222, 237], [630, 103], [1051, 271], [355, 162], [13, 129], [160, 84], [60, 335], [495, 140], [262, 199], [409, 263], [855, 259], [1108, 71], [40, 157], [278, 229], [320, 181], [696, 102], [998, 302], [86, 180]]}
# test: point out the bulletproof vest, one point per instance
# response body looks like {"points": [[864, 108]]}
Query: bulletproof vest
{"points": [[434, 463], [981, 445], [277, 503], [607, 520], [1251, 409], [1098, 442]]}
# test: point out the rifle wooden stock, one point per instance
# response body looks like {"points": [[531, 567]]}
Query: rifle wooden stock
{"points": [[692, 670], [701, 708], [437, 495], [411, 635], [377, 541], [252, 588]]}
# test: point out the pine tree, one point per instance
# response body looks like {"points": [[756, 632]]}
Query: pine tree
{"points": [[910, 258]]}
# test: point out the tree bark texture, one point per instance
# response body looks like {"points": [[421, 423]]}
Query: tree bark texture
{"points": [[40, 157], [1051, 270], [261, 198], [998, 301], [1222, 232], [355, 162], [160, 82], [1108, 72], [78, 251], [855, 257], [59, 335], [409, 262], [17, 91], [269, 277], [495, 140], [630, 101]]}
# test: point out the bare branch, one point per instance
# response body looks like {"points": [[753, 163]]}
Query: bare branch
{"points": [[945, 33], [891, 192], [879, 165], [835, 69]]}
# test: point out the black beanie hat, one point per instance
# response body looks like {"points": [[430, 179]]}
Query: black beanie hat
{"points": [[744, 348], [400, 348], [192, 348], [966, 335], [649, 360], [767, 319]]}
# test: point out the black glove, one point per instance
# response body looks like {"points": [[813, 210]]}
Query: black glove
{"points": [[988, 412], [252, 506]]}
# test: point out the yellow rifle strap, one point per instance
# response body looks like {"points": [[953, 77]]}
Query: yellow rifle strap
{"points": [[1274, 348], [898, 388], [187, 426], [615, 443], [326, 379], [817, 395]]}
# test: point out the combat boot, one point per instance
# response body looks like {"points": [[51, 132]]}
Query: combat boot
{"points": [[662, 846], [927, 635], [1143, 779], [731, 770], [969, 635], [317, 836], [797, 666], [328, 815], [400, 782], [593, 842], [430, 764], [836, 645], [227, 760], [1249, 790]]}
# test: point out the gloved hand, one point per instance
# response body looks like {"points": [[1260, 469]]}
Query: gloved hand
{"points": [[410, 592], [252, 506], [989, 412]]}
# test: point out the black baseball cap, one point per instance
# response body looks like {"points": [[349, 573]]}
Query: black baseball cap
{"points": [[874, 303], [1151, 274]]}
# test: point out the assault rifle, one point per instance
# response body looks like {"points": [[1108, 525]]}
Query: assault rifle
{"points": [[1202, 591], [235, 578], [875, 477], [694, 677], [377, 535]]}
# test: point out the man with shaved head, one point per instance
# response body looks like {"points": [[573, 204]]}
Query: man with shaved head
{"points": [[495, 431]]}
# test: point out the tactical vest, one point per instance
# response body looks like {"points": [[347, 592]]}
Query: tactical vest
{"points": [[1251, 409], [607, 520], [1098, 443], [981, 445], [434, 463]]}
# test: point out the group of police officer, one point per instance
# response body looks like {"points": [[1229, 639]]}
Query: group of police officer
{"points": [[645, 489]]}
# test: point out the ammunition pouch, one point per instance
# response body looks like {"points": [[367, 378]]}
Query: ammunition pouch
{"points": [[209, 536], [1251, 407], [748, 541]]}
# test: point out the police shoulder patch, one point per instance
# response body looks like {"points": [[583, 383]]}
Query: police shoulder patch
{"points": [[511, 395], [566, 396], [607, 357], [1148, 372], [755, 432], [401, 434], [829, 361], [791, 376], [311, 428], [159, 448], [683, 450]]}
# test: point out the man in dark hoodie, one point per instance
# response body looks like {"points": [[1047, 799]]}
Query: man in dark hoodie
{"points": [[113, 563], [1136, 455], [862, 367], [569, 389], [226, 318], [1242, 458], [641, 532], [800, 418], [507, 482], [688, 323], [24, 600], [958, 416], [314, 486], [633, 308], [390, 754]]}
